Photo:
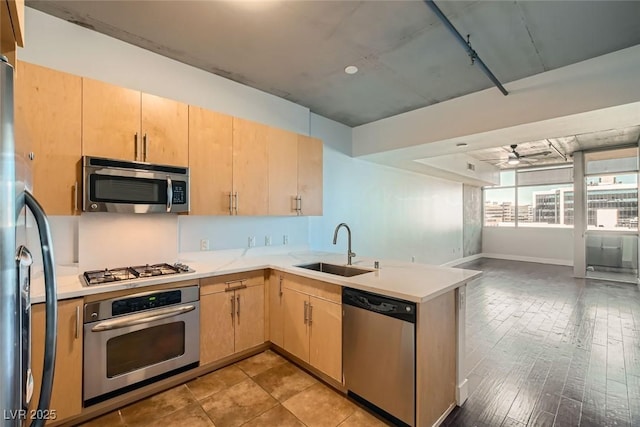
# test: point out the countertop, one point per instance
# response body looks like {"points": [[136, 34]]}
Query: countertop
{"points": [[409, 281]]}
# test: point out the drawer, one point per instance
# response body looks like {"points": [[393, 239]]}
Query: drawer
{"points": [[316, 288], [215, 284]]}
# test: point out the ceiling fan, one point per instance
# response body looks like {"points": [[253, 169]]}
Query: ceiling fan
{"points": [[514, 158]]}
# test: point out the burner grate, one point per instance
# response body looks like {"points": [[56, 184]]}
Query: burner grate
{"points": [[97, 277]]}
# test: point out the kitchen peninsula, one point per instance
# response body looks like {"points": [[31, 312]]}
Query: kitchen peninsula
{"points": [[438, 292]]}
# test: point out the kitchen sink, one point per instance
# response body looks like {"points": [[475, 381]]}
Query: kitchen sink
{"points": [[339, 270]]}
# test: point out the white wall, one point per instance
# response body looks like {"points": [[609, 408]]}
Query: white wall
{"points": [[547, 245], [392, 213]]}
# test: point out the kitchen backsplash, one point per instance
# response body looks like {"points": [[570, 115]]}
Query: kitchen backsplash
{"points": [[99, 240]]}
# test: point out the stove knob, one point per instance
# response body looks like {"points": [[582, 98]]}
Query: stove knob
{"points": [[94, 206], [94, 315]]}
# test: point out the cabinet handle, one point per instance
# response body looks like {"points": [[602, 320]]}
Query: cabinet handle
{"points": [[235, 195], [233, 306], [135, 145], [310, 314], [306, 310], [77, 322], [280, 292], [238, 307], [299, 205], [74, 202], [32, 155], [230, 203], [144, 147]]}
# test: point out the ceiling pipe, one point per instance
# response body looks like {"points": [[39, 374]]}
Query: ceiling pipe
{"points": [[467, 46]]}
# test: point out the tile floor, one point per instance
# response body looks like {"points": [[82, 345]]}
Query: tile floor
{"points": [[263, 390]]}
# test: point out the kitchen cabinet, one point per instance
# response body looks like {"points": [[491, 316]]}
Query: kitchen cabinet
{"points": [[231, 315], [210, 162], [283, 171], [121, 123], [250, 168], [66, 396], [276, 308], [11, 27], [295, 173], [48, 127], [309, 175], [312, 323]]}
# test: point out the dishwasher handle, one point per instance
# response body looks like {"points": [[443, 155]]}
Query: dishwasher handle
{"points": [[392, 307]]}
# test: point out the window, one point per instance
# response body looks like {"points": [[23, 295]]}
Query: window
{"points": [[612, 202], [533, 197]]}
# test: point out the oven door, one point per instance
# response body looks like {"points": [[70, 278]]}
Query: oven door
{"points": [[126, 350]]}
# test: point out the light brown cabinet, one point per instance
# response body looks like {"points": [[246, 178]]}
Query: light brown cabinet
{"points": [[309, 175], [295, 173], [121, 123], [231, 315], [250, 168], [11, 27], [276, 308], [66, 396], [210, 162], [312, 323], [48, 108]]}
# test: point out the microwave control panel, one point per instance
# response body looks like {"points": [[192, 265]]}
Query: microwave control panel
{"points": [[179, 193]]}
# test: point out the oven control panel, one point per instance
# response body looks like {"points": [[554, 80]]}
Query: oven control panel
{"points": [[155, 300]]}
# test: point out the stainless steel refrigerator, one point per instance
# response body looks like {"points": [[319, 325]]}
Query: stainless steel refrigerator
{"points": [[16, 206]]}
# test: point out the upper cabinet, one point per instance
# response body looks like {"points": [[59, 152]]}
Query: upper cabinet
{"points": [[210, 162], [48, 107], [309, 175], [11, 27], [165, 131], [283, 171], [125, 124], [250, 168]]}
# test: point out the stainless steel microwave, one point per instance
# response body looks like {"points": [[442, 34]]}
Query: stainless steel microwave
{"points": [[133, 187]]}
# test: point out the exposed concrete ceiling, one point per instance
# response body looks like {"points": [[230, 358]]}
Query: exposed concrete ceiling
{"points": [[542, 152], [407, 59]]}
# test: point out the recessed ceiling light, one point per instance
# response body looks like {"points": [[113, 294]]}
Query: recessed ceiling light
{"points": [[461, 144], [351, 69]]}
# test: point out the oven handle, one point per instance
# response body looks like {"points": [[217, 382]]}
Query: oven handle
{"points": [[137, 319]]}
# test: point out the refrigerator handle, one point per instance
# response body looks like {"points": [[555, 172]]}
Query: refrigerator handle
{"points": [[51, 305]]}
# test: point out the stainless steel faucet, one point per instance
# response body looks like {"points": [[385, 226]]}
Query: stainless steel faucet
{"points": [[335, 239]]}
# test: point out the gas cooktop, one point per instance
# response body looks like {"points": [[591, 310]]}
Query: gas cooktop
{"points": [[98, 277]]}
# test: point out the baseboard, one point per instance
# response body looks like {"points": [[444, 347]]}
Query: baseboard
{"points": [[552, 261], [444, 416], [462, 392], [461, 260]]}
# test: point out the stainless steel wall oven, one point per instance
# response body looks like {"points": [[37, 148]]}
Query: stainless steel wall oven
{"points": [[134, 339]]}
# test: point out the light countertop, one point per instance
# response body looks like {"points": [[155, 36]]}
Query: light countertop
{"points": [[409, 281]]}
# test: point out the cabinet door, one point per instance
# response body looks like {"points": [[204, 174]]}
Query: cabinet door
{"points": [[325, 340], [66, 396], [210, 161], [283, 171], [165, 131], [276, 308], [250, 167], [110, 121], [310, 174], [249, 321], [48, 110], [216, 327], [296, 333]]}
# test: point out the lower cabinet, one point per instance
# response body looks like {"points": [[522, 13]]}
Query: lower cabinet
{"points": [[312, 323], [66, 396], [231, 315]]}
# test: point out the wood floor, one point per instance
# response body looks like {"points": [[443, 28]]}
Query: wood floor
{"points": [[546, 349]]}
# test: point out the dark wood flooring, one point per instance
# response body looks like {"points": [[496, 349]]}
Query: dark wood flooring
{"points": [[545, 349]]}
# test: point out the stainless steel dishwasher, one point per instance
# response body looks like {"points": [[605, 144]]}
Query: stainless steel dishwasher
{"points": [[379, 353]]}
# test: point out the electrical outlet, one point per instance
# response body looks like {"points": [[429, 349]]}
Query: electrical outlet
{"points": [[204, 244], [252, 241], [285, 239], [267, 240]]}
